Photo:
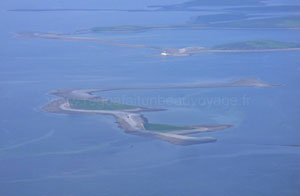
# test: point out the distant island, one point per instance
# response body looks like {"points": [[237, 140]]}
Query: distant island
{"points": [[256, 45], [240, 21], [217, 21], [129, 117], [237, 47], [209, 6]]}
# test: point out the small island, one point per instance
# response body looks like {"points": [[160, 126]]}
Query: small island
{"points": [[285, 22], [217, 21], [237, 47], [257, 45], [129, 117]]}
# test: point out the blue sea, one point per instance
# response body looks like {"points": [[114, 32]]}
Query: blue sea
{"points": [[45, 154]]}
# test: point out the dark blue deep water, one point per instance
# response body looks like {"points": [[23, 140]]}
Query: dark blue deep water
{"points": [[58, 154]]}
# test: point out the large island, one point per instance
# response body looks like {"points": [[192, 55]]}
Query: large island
{"points": [[129, 117]]}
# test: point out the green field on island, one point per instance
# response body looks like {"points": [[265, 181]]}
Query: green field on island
{"points": [[280, 22], [245, 21], [165, 127], [98, 105], [235, 20], [257, 44], [124, 28]]}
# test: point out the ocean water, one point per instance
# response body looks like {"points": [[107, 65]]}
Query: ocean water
{"points": [[58, 154]]}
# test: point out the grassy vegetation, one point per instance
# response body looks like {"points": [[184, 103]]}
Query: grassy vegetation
{"points": [[98, 105], [210, 21], [245, 21], [164, 127], [137, 29], [281, 22], [257, 44]]}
